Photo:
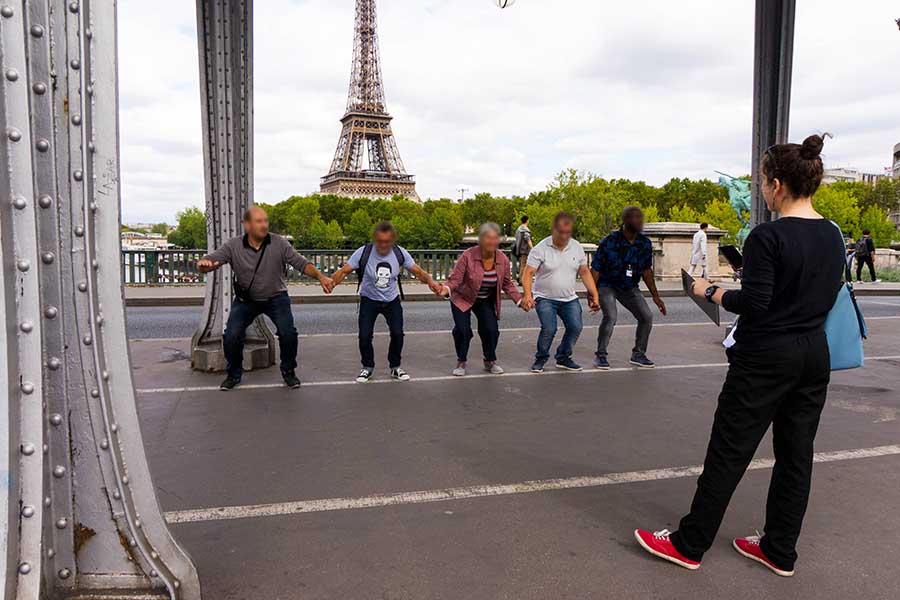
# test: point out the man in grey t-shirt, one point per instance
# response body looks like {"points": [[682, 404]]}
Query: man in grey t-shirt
{"points": [[257, 261], [379, 294], [549, 283]]}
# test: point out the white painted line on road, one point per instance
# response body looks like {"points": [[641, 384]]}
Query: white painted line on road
{"points": [[483, 491], [343, 382], [881, 303]]}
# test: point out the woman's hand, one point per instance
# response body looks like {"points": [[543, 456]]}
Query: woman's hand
{"points": [[700, 286]]}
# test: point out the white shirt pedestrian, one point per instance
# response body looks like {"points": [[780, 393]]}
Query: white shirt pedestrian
{"points": [[557, 270], [698, 252]]}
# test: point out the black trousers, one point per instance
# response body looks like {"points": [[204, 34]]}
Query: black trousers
{"points": [[485, 310], [784, 387], [277, 308], [868, 261], [393, 313]]}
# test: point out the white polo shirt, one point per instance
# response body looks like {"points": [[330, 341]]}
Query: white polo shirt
{"points": [[557, 270]]}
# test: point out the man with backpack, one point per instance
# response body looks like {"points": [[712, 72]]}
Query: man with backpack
{"points": [[377, 266], [865, 255], [522, 246]]}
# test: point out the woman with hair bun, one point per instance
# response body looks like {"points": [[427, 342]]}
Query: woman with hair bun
{"points": [[779, 367]]}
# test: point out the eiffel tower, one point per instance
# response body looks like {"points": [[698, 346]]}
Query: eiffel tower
{"points": [[367, 162]]}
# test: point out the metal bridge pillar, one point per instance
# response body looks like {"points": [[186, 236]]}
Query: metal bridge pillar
{"points": [[772, 64], [225, 37], [78, 511]]}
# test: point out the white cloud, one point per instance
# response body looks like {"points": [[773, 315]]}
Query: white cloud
{"points": [[499, 101]]}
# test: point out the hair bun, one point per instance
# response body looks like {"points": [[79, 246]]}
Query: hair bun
{"points": [[812, 146]]}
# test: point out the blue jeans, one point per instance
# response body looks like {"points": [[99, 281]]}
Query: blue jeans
{"points": [[548, 311], [277, 308]]}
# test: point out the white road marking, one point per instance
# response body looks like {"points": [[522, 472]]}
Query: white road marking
{"points": [[882, 414], [507, 375], [879, 303], [483, 491]]}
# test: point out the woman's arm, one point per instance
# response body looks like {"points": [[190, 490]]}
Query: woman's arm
{"points": [[758, 283], [509, 287]]}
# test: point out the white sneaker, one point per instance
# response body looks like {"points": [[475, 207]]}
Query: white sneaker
{"points": [[493, 368], [460, 370], [877, 281], [364, 376], [399, 374]]}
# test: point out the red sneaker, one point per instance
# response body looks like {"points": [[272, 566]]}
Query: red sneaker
{"points": [[658, 544], [749, 547]]}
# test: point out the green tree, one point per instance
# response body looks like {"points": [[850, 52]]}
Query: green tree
{"points": [[160, 228], [838, 203], [720, 214], [322, 235], [684, 214], [885, 194], [877, 222], [191, 229], [359, 229]]}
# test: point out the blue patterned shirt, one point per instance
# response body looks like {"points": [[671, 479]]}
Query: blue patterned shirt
{"points": [[616, 255]]}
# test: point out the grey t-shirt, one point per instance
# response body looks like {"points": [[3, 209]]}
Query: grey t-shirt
{"points": [[269, 280], [380, 279], [557, 269]]}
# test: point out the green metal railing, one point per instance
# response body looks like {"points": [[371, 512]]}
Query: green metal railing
{"points": [[174, 267]]}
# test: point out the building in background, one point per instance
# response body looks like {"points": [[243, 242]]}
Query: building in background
{"points": [[847, 174], [137, 240], [896, 161]]}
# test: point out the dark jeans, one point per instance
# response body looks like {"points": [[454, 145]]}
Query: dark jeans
{"points": [[570, 314], [784, 387], [868, 261], [393, 313], [277, 308], [634, 301], [485, 310]]}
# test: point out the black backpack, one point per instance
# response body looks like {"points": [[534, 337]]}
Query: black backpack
{"points": [[364, 260], [862, 247]]}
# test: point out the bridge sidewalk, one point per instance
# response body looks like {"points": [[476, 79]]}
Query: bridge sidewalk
{"points": [[309, 293]]}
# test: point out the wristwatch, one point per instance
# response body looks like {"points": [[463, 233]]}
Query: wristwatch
{"points": [[710, 291]]}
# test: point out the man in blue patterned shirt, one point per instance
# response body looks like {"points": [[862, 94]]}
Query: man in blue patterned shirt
{"points": [[622, 260]]}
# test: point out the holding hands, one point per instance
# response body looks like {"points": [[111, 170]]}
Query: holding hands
{"points": [[527, 303], [594, 303], [327, 283], [204, 265]]}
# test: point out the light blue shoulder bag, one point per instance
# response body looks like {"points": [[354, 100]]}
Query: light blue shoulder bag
{"points": [[845, 327]]}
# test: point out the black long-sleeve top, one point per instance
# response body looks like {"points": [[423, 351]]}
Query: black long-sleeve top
{"points": [[793, 269]]}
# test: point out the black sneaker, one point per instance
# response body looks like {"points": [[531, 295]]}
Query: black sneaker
{"points": [[291, 380], [399, 374], [642, 362], [229, 384], [364, 375]]}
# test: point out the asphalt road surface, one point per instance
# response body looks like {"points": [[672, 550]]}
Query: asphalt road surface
{"points": [[180, 322], [512, 487]]}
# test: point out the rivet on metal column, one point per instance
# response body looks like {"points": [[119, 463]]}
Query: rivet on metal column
{"points": [[772, 67], [225, 38]]}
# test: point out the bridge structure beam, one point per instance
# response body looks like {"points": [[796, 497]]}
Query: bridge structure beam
{"points": [[225, 39], [78, 511], [772, 71]]}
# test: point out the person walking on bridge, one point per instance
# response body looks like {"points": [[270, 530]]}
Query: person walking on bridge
{"points": [[257, 262], [698, 251], [479, 278], [778, 368], [377, 266]]}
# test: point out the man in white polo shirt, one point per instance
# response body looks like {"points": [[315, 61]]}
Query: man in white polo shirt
{"points": [[549, 282]]}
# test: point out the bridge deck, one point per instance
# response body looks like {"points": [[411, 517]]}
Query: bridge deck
{"points": [[250, 478]]}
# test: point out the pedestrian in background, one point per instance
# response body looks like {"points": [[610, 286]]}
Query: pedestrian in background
{"points": [[779, 367], [522, 245], [623, 259], [479, 278], [698, 251], [865, 255], [549, 282]]}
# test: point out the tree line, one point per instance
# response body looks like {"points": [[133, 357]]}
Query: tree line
{"points": [[328, 221]]}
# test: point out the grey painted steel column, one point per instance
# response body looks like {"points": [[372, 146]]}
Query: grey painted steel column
{"points": [[772, 67], [225, 37], [88, 521]]}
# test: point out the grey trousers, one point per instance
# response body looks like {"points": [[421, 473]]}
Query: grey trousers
{"points": [[634, 301]]}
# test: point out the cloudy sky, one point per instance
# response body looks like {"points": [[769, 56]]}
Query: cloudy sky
{"points": [[500, 100]]}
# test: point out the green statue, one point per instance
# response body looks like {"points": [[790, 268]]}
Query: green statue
{"points": [[739, 196]]}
